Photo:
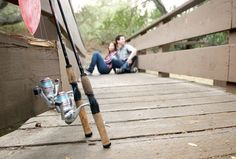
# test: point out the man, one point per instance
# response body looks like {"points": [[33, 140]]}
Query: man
{"points": [[124, 59]]}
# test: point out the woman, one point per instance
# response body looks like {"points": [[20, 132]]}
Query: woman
{"points": [[104, 65]]}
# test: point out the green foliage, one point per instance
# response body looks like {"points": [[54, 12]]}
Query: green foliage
{"points": [[102, 22], [18, 28], [11, 21], [124, 21], [216, 39]]}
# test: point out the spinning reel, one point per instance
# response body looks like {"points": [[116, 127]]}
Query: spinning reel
{"points": [[62, 101]]}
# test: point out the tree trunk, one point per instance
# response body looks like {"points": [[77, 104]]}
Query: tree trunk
{"points": [[160, 6]]}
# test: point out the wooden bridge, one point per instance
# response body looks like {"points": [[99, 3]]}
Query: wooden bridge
{"points": [[150, 116], [146, 117]]}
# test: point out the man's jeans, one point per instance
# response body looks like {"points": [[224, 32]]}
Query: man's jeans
{"points": [[99, 61], [121, 64]]}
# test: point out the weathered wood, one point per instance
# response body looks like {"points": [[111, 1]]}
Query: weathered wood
{"points": [[232, 64], [70, 21], [22, 66], [148, 92], [149, 89], [189, 4], [178, 102], [128, 80], [46, 29], [220, 144], [211, 62], [176, 29], [174, 103], [233, 14], [173, 121], [118, 130], [148, 113]]}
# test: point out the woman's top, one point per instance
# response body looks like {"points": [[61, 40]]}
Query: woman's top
{"points": [[108, 59]]}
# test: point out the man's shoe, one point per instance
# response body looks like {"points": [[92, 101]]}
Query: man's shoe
{"points": [[134, 70], [120, 71]]}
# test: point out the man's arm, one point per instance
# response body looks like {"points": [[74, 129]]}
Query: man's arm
{"points": [[132, 54]]}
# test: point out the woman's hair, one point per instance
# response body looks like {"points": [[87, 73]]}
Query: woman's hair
{"points": [[114, 46]]}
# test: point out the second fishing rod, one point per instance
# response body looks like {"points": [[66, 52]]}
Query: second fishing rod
{"points": [[94, 106], [72, 80]]}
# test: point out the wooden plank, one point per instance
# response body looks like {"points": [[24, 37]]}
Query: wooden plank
{"points": [[234, 14], [46, 29], [128, 80], [17, 63], [139, 115], [147, 90], [210, 144], [174, 103], [12, 40], [189, 25], [210, 62], [141, 94], [157, 126], [118, 130], [189, 4], [16, 105], [152, 87], [76, 36], [232, 64], [21, 69], [156, 98]]}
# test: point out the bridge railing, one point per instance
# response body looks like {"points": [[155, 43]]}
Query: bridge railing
{"points": [[193, 19]]}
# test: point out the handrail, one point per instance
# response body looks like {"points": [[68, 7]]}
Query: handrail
{"points": [[167, 17]]}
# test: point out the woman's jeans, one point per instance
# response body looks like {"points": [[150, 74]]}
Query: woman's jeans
{"points": [[97, 60]]}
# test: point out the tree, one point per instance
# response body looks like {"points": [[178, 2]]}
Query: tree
{"points": [[103, 21], [160, 6], [9, 14]]}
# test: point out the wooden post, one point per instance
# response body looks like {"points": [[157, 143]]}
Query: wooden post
{"points": [[232, 40], [161, 50], [143, 52]]}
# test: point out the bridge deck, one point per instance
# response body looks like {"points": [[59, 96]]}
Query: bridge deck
{"points": [[145, 116]]}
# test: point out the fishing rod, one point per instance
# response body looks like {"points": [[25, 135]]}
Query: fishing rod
{"points": [[94, 106], [72, 81]]}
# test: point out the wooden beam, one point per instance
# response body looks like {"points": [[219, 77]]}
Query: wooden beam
{"points": [[217, 17], [210, 62], [70, 21], [232, 64], [234, 14], [189, 4], [46, 29], [22, 66]]}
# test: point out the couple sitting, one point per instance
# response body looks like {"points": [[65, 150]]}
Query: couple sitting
{"points": [[119, 59]]}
